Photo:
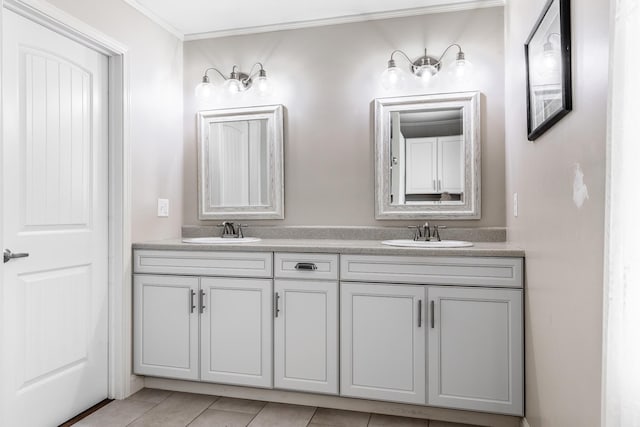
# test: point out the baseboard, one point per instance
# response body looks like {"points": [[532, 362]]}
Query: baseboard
{"points": [[337, 402]]}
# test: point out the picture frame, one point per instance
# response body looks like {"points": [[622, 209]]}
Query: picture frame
{"points": [[548, 68]]}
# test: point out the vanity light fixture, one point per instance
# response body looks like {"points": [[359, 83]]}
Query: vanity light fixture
{"points": [[236, 82], [551, 53], [424, 68]]}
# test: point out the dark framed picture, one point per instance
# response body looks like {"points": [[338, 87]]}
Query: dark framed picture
{"points": [[548, 58]]}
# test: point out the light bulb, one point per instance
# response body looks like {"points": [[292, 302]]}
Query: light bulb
{"points": [[461, 67], [204, 89], [425, 73], [393, 77], [233, 86], [263, 84]]}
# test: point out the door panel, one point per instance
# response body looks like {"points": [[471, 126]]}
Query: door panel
{"points": [[475, 349], [306, 336], [166, 332], [55, 193], [383, 342], [236, 331]]}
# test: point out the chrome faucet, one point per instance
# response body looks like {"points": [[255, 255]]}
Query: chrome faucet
{"points": [[231, 230], [424, 233]]}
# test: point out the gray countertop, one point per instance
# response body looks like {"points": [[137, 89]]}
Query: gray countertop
{"points": [[358, 247]]}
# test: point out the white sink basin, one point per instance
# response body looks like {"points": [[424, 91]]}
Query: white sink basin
{"points": [[220, 240], [408, 243]]}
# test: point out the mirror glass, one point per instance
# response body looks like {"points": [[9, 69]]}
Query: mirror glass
{"points": [[428, 157], [240, 163]]}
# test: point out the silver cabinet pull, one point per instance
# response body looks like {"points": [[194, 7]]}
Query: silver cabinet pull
{"points": [[202, 295], [306, 266], [433, 314], [8, 255], [435, 187], [192, 305], [277, 308], [419, 313]]}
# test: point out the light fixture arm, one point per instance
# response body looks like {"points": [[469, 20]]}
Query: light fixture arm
{"points": [[261, 72], [447, 49], [205, 77], [392, 61]]}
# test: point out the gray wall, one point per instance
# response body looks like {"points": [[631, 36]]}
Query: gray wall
{"points": [[327, 77], [563, 242], [155, 79]]}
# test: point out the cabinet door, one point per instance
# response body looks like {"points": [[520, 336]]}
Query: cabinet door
{"points": [[236, 325], [422, 165], [451, 164], [475, 349], [165, 326], [306, 335], [383, 335]]}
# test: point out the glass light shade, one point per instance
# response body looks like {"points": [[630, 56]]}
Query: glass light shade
{"points": [[425, 72], [204, 90], [392, 78], [461, 68], [233, 86], [263, 86]]}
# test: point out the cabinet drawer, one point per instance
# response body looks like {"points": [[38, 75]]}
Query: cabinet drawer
{"points": [[204, 263], [309, 266], [468, 271]]}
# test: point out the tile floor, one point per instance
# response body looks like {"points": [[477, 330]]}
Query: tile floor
{"points": [[160, 408]]}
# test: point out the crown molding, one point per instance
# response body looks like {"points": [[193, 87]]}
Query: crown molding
{"points": [[473, 4], [155, 18]]}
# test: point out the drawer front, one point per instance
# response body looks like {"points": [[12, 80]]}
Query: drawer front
{"points": [[306, 266], [468, 271], [204, 263]]}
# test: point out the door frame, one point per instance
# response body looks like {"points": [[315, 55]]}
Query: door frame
{"points": [[121, 381]]}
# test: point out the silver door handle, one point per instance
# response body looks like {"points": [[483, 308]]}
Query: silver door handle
{"points": [[277, 307], [433, 314], [419, 313], [192, 305], [202, 306], [8, 255]]}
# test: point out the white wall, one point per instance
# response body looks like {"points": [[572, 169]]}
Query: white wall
{"points": [[563, 242], [327, 77], [155, 106]]}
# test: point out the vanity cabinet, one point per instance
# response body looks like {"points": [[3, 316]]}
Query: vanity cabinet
{"points": [[306, 322], [475, 349], [469, 336], [203, 315], [383, 342]]}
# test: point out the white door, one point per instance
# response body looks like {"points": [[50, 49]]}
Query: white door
{"points": [[166, 321], [451, 164], [382, 352], [475, 349], [54, 304], [422, 165], [306, 336], [236, 331]]}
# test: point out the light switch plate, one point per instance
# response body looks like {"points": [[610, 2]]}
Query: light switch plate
{"points": [[515, 205], [163, 208]]}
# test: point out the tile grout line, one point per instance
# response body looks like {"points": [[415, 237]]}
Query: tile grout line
{"points": [[312, 415], [143, 414], [256, 414]]}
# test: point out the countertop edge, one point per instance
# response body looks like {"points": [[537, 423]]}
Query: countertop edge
{"points": [[354, 247]]}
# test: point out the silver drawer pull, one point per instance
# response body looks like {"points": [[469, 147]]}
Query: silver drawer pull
{"points": [[306, 266]]}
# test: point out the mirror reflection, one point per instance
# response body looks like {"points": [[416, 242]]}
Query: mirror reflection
{"points": [[428, 156], [240, 172], [237, 157]]}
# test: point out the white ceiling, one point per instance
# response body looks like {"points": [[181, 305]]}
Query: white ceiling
{"points": [[195, 19]]}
